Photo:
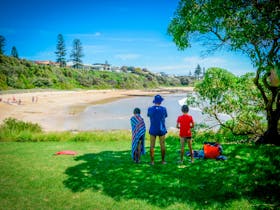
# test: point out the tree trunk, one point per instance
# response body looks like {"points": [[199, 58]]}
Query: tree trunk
{"points": [[271, 135], [272, 103]]}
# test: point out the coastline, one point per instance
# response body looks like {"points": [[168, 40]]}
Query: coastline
{"points": [[50, 108]]}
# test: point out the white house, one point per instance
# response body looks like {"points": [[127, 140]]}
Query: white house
{"points": [[101, 66]]}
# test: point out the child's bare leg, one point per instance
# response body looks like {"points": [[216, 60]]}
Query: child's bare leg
{"points": [[182, 141], [152, 148], [135, 155], [139, 151], [190, 148], [162, 147]]}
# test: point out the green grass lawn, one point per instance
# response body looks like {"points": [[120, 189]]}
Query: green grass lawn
{"points": [[103, 176]]}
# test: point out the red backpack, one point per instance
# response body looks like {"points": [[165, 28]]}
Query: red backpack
{"points": [[212, 150]]}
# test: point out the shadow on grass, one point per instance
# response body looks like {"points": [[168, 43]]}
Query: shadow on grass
{"points": [[249, 173]]}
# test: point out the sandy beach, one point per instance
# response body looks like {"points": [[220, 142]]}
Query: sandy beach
{"points": [[50, 108]]}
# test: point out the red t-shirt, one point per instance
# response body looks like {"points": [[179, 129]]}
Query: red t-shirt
{"points": [[185, 122]]}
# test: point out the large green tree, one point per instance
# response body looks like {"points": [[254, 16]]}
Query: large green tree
{"points": [[2, 44], [60, 51], [252, 27], [221, 92], [77, 53]]}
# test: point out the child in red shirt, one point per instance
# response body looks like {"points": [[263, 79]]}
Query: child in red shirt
{"points": [[185, 123]]}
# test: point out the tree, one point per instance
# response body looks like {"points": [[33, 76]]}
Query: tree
{"points": [[252, 27], [124, 69], [77, 53], [14, 52], [203, 72], [184, 80], [221, 92], [197, 71], [2, 44], [60, 51]]}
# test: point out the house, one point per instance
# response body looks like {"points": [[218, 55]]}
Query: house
{"points": [[47, 63], [116, 69], [101, 66], [86, 66]]}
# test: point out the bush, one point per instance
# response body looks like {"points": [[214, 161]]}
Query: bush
{"points": [[211, 136], [42, 82], [85, 80], [82, 137], [51, 137], [17, 126], [3, 82], [16, 130], [24, 136]]}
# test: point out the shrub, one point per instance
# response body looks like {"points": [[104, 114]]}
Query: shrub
{"points": [[211, 136], [24, 136], [15, 130], [17, 126], [51, 137], [3, 82], [42, 82]]}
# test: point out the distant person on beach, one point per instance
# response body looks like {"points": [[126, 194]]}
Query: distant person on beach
{"points": [[185, 123], [157, 115], [138, 135], [34, 99]]}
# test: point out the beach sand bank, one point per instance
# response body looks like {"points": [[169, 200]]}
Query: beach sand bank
{"points": [[50, 108]]}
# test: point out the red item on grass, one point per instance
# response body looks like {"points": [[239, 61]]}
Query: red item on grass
{"points": [[66, 152], [211, 151]]}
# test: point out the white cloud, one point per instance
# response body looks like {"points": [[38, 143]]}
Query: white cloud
{"points": [[189, 64], [236, 65], [176, 69], [193, 61], [129, 56], [97, 34], [90, 35], [167, 68]]}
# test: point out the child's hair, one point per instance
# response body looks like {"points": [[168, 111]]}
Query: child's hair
{"points": [[136, 111], [185, 109]]}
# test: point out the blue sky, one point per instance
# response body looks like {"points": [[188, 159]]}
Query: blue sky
{"points": [[122, 32]]}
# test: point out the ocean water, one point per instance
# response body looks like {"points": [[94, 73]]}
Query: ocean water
{"points": [[117, 114]]}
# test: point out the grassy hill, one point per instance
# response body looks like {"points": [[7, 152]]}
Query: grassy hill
{"points": [[23, 74]]}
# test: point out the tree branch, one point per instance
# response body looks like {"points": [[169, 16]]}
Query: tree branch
{"points": [[278, 104], [259, 86], [274, 49], [222, 39]]}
